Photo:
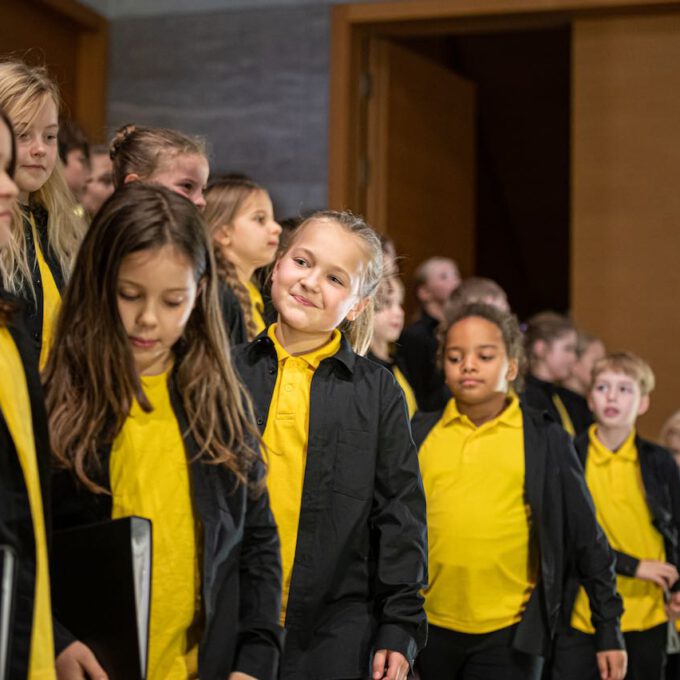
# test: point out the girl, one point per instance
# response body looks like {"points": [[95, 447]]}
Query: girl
{"points": [[343, 473], [46, 232], [160, 156], [550, 342], [147, 418], [388, 323], [24, 463], [240, 216], [507, 507], [670, 435]]}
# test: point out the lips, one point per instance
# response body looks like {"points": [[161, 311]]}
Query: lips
{"points": [[143, 343], [33, 167], [611, 412], [470, 382], [301, 300]]}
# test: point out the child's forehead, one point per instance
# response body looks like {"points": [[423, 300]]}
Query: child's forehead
{"points": [[328, 240], [614, 375]]}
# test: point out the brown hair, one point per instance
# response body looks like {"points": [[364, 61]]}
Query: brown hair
{"points": [[476, 289], [584, 341], [90, 377], [546, 327], [72, 137], [24, 90], [224, 199], [422, 271], [142, 150], [360, 331], [631, 365]]}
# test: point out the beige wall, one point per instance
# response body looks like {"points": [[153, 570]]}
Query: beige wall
{"points": [[626, 193]]}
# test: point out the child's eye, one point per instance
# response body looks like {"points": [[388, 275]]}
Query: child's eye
{"points": [[51, 137], [600, 387], [487, 357], [128, 296], [453, 359], [300, 261], [23, 136], [336, 280], [173, 303], [187, 186]]}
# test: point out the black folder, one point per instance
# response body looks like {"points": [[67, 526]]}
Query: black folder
{"points": [[101, 591], [8, 567]]}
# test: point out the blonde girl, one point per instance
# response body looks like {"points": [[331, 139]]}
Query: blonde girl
{"points": [[46, 231], [343, 473], [240, 216]]}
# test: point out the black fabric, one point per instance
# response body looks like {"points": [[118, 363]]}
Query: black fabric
{"points": [[565, 530], [32, 307], [577, 408], [232, 315], [575, 655], [16, 524], [417, 358], [361, 554], [241, 569], [450, 655]]}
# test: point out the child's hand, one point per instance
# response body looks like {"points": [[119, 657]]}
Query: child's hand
{"points": [[389, 665], [661, 573], [673, 606], [77, 662], [241, 676], [612, 664]]}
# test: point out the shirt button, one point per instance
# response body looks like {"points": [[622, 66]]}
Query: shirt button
{"points": [[260, 421], [288, 388]]}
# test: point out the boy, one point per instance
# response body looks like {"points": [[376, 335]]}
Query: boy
{"points": [[434, 281], [636, 489]]}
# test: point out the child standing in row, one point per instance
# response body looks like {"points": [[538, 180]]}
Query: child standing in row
{"points": [[507, 509], [343, 472], [148, 418], [46, 231], [240, 217], [636, 488]]}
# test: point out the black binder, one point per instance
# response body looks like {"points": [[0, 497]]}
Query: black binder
{"points": [[101, 591], [8, 567]]}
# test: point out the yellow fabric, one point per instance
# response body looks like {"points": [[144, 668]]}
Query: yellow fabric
{"points": [[482, 569], [257, 306], [150, 478], [51, 298], [408, 391], [564, 415], [285, 438], [615, 482], [16, 409]]}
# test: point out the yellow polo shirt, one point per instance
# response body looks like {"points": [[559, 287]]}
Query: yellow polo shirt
{"points": [[615, 482], [406, 388], [482, 569], [16, 409], [51, 298], [285, 437], [150, 478], [257, 306]]}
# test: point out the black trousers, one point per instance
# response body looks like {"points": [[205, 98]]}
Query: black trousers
{"points": [[488, 656], [575, 651]]}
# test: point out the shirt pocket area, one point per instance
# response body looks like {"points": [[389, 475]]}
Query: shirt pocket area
{"points": [[354, 467]]}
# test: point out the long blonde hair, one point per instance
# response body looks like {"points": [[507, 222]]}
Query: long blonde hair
{"points": [[23, 92]]}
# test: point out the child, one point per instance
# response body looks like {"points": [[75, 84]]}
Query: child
{"points": [[636, 489], [46, 229], [434, 281], [147, 418], [507, 507], [477, 289], [99, 185], [589, 350], [160, 156], [240, 216], [550, 342], [670, 435], [24, 464], [388, 322], [343, 473], [74, 152]]}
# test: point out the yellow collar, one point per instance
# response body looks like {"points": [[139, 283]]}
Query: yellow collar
{"points": [[313, 358], [601, 455], [255, 296], [510, 416]]}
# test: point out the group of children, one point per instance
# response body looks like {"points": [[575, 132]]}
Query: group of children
{"points": [[264, 426]]}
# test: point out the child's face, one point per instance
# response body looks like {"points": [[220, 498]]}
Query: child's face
{"points": [[186, 174], [583, 367], [389, 321], [476, 364], [559, 356], [76, 172], [156, 294], [99, 184], [442, 279], [252, 239], [8, 189], [36, 148], [615, 400], [315, 283]]}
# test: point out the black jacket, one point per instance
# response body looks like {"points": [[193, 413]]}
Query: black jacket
{"points": [[566, 533], [241, 568], [32, 308], [232, 315], [361, 555], [16, 524]]}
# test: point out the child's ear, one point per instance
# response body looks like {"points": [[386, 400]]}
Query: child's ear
{"points": [[200, 289], [358, 309], [539, 348], [131, 177], [423, 294], [644, 405], [513, 370], [221, 236]]}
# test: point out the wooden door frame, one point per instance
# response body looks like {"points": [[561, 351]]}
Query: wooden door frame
{"points": [[354, 25]]}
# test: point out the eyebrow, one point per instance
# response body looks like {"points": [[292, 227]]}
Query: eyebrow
{"points": [[487, 346], [139, 285]]}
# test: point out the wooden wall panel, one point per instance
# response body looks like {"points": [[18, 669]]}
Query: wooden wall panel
{"points": [[625, 198]]}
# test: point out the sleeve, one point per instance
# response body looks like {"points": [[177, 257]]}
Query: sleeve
{"points": [[260, 636], [625, 564], [398, 525], [672, 475], [588, 544], [232, 316]]}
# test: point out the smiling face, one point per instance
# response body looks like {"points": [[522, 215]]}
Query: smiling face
{"points": [[615, 400], [476, 364], [36, 148], [316, 282], [8, 189], [185, 174], [156, 292]]}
